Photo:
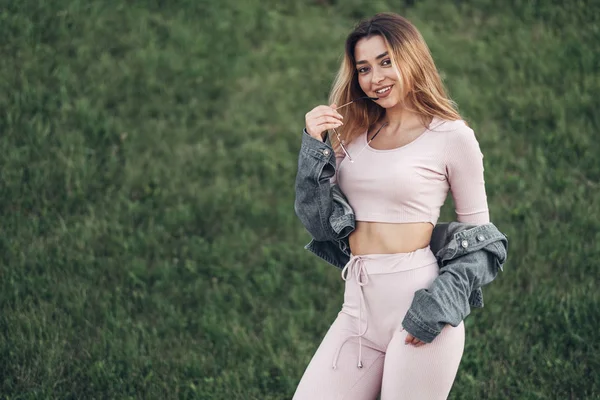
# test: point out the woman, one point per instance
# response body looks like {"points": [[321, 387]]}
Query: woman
{"points": [[400, 146]]}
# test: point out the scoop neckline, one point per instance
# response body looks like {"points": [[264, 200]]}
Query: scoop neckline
{"points": [[427, 129]]}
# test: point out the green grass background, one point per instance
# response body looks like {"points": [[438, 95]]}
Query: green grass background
{"points": [[148, 242]]}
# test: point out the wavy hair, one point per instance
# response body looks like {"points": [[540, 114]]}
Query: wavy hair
{"points": [[414, 65]]}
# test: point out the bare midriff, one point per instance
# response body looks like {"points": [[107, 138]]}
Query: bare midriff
{"points": [[389, 238]]}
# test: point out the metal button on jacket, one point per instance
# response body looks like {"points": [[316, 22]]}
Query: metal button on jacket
{"points": [[480, 238], [465, 244], [326, 152]]}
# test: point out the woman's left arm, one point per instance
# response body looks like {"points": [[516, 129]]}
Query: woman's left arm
{"points": [[447, 299], [464, 169]]}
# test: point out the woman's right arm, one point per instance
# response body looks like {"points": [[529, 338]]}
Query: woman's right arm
{"points": [[316, 169]]}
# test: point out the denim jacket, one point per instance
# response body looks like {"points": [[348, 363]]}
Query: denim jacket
{"points": [[469, 256]]}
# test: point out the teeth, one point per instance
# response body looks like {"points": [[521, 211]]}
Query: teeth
{"points": [[383, 90]]}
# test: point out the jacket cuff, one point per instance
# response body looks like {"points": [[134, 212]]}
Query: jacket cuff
{"points": [[413, 325], [472, 240], [316, 148]]}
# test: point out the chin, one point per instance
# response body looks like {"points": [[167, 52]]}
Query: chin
{"points": [[388, 103]]}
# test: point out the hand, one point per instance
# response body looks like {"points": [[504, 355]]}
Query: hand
{"points": [[322, 118], [410, 339]]}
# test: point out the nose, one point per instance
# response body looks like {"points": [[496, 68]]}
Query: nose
{"points": [[377, 75]]}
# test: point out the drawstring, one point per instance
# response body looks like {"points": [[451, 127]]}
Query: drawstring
{"points": [[357, 268]]}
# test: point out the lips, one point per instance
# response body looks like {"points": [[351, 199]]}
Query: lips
{"points": [[384, 91]]}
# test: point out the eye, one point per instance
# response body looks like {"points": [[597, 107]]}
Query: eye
{"points": [[386, 62], [363, 70]]}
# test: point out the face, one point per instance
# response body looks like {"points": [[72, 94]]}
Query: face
{"points": [[376, 76]]}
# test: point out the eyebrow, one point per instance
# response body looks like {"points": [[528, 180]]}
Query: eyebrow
{"points": [[377, 58]]}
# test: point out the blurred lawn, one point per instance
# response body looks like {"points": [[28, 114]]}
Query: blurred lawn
{"points": [[148, 243]]}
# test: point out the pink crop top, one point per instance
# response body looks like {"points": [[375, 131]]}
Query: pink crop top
{"points": [[410, 183]]}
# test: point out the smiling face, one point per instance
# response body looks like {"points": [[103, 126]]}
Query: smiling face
{"points": [[386, 53], [377, 76]]}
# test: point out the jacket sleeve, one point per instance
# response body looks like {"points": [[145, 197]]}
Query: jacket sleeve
{"points": [[314, 200], [471, 260]]}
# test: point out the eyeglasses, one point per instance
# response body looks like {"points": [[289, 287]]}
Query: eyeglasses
{"points": [[342, 142]]}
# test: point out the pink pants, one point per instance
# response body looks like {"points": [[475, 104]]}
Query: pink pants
{"points": [[363, 353]]}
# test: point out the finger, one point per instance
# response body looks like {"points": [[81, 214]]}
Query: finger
{"points": [[326, 114], [325, 127], [327, 120], [415, 341], [408, 339], [318, 130], [324, 110]]}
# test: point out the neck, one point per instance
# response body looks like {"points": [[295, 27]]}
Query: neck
{"points": [[401, 117]]}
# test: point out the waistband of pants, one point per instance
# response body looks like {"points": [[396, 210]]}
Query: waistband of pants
{"points": [[360, 267], [395, 262]]}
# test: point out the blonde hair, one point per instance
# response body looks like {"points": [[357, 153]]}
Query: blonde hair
{"points": [[414, 65]]}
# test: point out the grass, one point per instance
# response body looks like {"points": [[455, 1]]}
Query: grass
{"points": [[148, 243]]}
